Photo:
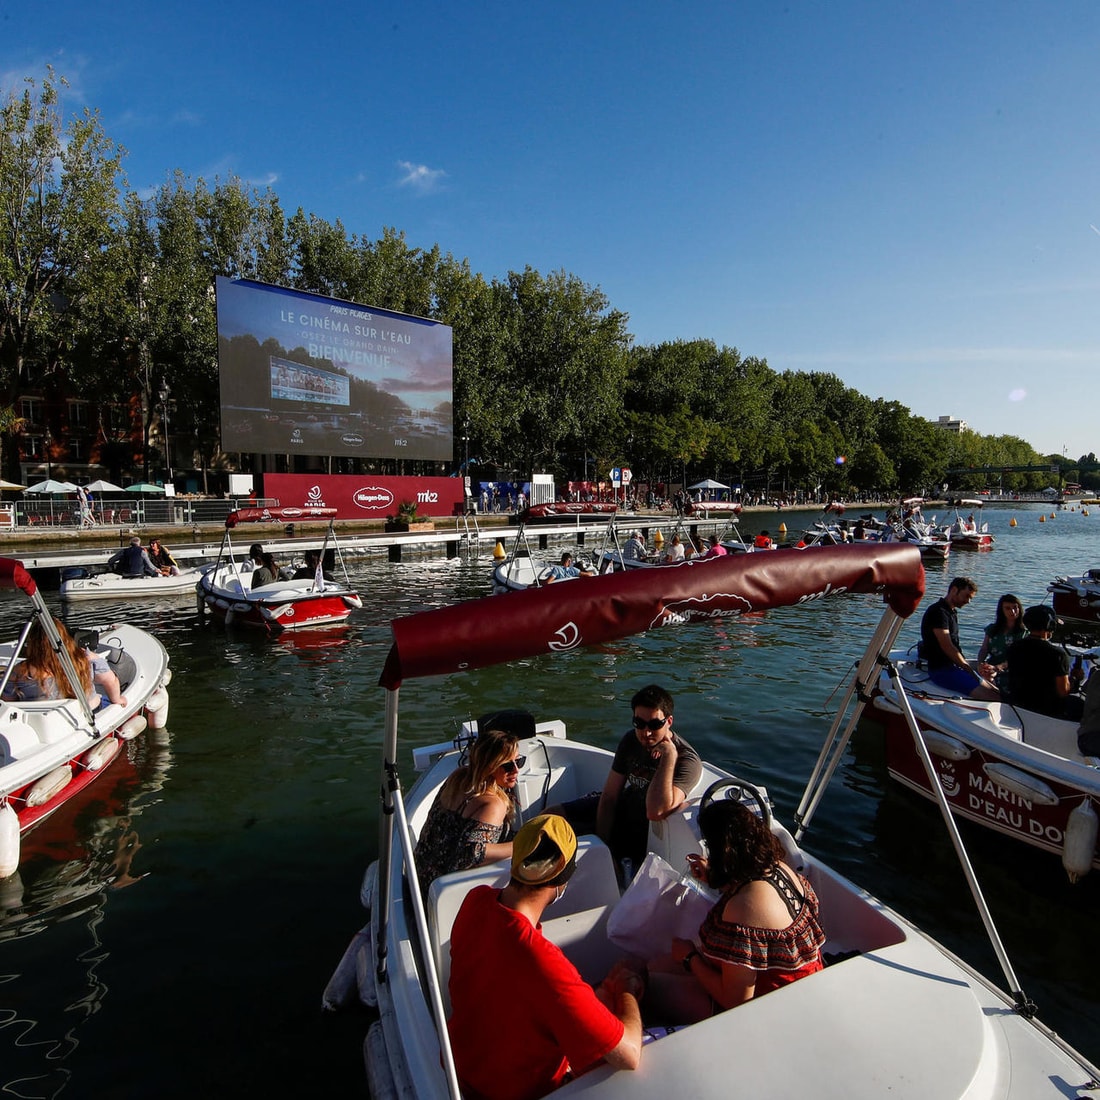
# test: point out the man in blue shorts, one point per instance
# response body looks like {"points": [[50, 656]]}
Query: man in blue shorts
{"points": [[939, 631]]}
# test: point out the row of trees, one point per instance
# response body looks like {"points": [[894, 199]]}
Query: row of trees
{"points": [[110, 294]]}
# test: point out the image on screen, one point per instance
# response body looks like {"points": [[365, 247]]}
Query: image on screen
{"points": [[301, 373]]}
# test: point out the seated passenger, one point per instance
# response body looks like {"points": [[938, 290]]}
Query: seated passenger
{"points": [[40, 674], [1039, 672], [162, 558], [652, 773], [634, 549], [471, 820], [133, 561], [939, 632], [1005, 629], [523, 1021], [566, 569], [309, 571], [267, 572], [763, 932], [763, 541], [675, 550], [717, 550]]}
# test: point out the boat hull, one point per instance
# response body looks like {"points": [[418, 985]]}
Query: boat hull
{"points": [[1011, 771], [275, 607], [111, 586]]}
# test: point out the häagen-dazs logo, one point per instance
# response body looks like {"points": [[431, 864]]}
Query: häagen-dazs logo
{"points": [[373, 497], [351, 440]]}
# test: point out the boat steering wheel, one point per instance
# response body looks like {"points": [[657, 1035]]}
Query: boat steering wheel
{"points": [[736, 790]]}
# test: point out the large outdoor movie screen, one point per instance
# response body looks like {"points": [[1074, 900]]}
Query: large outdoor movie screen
{"points": [[318, 376]]}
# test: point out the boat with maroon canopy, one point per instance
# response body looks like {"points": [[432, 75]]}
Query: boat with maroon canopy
{"points": [[226, 590], [895, 1014]]}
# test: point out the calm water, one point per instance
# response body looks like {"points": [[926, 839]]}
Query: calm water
{"points": [[171, 934]]}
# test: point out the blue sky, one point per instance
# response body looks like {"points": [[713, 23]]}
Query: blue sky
{"points": [[905, 195]]}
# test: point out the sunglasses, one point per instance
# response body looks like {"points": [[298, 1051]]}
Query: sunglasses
{"points": [[514, 765], [652, 724]]}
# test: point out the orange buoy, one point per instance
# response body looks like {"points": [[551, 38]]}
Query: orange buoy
{"points": [[1042, 519], [658, 538], [783, 529], [498, 551], [1012, 522]]}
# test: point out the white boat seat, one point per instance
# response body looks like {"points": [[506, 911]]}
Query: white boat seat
{"points": [[575, 923]]}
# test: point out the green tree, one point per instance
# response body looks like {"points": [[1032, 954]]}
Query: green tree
{"points": [[58, 205]]}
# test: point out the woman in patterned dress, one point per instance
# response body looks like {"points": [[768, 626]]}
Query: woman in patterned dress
{"points": [[472, 819]]}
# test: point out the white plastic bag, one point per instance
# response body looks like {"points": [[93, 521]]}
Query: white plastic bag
{"points": [[659, 904]]}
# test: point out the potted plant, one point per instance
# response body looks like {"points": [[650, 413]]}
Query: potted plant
{"points": [[407, 518]]}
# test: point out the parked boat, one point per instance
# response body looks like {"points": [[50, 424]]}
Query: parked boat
{"points": [[81, 584], [225, 589], [896, 1014], [1077, 598], [1009, 769], [52, 749], [968, 534], [565, 509]]}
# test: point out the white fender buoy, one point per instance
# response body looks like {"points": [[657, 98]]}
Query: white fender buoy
{"points": [[351, 600], [48, 786], [133, 725], [950, 748], [1079, 846], [99, 756], [9, 840], [1022, 783], [156, 709], [166, 679], [342, 990]]}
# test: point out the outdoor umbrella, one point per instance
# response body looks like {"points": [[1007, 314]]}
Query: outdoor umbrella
{"points": [[102, 486], [144, 487], [10, 485], [708, 483], [50, 486]]}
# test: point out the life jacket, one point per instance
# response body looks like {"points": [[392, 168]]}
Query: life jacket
{"points": [[762, 542]]}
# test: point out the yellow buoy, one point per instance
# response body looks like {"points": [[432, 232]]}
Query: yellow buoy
{"points": [[1012, 522], [1052, 515], [1042, 519], [658, 538], [1084, 511], [782, 528], [498, 551]]}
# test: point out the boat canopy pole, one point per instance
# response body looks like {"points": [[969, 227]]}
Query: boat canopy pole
{"points": [[15, 655], [1024, 1005], [435, 997], [862, 682], [390, 781]]}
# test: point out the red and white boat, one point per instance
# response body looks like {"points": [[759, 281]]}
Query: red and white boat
{"points": [[52, 749], [225, 589], [1077, 598], [968, 534], [1011, 770], [566, 509]]}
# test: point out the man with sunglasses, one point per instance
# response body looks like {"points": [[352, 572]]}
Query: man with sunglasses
{"points": [[652, 774]]}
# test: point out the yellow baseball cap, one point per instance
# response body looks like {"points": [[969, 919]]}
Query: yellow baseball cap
{"points": [[544, 852]]}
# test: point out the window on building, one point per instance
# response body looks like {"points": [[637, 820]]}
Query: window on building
{"points": [[30, 409], [78, 414]]}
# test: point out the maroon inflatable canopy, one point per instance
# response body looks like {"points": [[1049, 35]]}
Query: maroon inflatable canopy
{"points": [[277, 515], [592, 611], [14, 575], [569, 508]]}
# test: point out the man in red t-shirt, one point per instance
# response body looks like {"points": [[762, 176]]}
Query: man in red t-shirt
{"points": [[523, 1020]]}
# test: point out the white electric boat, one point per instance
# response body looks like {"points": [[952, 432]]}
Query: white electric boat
{"points": [[896, 1015]]}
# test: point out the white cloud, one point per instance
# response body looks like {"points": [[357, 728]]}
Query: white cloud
{"points": [[420, 177]]}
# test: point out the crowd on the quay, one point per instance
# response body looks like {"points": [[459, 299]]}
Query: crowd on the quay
{"points": [[763, 931]]}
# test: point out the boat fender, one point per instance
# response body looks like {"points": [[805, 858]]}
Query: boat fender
{"points": [[156, 709], [1079, 847], [49, 785], [133, 725], [342, 990], [166, 679], [99, 756], [9, 840], [1021, 783], [353, 601], [950, 748]]}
